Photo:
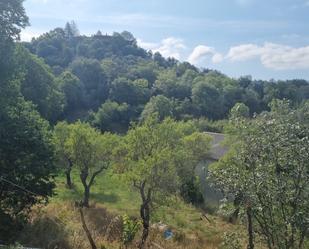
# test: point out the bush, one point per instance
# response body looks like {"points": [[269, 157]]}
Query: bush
{"points": [[231, 240], [130, 228]]}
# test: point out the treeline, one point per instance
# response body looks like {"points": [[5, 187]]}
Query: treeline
{"points": [[109, 81]]}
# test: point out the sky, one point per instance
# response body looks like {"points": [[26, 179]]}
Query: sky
{"points": [[267, 39]]}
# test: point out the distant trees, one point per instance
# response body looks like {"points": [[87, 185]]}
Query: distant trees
{"points": [[207, 99], [71, 30], [240, 110], [73, 91], [266, 172], [95, 84], [152, 156], [131, 92], [160, 105], [39, 85], [112, 117], [113, 68]]}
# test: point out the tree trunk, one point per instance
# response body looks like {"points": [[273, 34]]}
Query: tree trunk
{"points": [[91, 241], [145, 214], [83, 178], [144, 211], [86, 196], [68, 177], [250, 228]]}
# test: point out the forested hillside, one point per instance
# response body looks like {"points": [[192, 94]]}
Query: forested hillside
{"points": [[110, 81], [100, 142]]}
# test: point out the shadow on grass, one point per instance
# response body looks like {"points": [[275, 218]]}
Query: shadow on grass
{"points": [[77, 194], [102, 197]]}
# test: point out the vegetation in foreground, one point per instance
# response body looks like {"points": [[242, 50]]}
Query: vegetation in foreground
{"points": [[108, 81]]}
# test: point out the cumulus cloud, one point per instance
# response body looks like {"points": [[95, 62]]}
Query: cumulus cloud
{"points": [[217, 58], [271, 55], [201, 52], [169, 47], [27, 35], [244, 52]]}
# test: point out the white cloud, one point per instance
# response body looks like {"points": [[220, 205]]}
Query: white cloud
{"points": [[27, 35], [217, 58], [201, 52], [243, 52], [169, 47], [272, 56]]}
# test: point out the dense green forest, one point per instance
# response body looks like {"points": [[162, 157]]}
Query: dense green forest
{"points": [[80, 115], [109, 81]]}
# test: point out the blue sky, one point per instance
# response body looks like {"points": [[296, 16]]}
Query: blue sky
{"points": [[268, 39]]}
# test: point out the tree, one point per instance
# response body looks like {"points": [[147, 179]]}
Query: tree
{"points": [[71, 30], [152, 156], [92, 76], [62, 133], [168, 85], [112, 117], [91, 153], [131, 92], [12, 19], [39, 85], [208, 100], [26, 164], [267, 172], [160, 105], [73, 90], [240, 110], [26, 151]]}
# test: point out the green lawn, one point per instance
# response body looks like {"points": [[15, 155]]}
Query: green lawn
{"points": [[108, 190]]}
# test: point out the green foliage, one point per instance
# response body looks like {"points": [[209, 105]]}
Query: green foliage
{"points": [[231, 240], [158, 105], [91, 152], [131, 92], [240, 110], [91, 74], [112, 117], [204, 124], [267, 169], [190, 191], [12, 19], [39, 85], [207, 99], [168, 84], [26, 160], [73, 90], [130, 228], [161, 154], [113, 67]]}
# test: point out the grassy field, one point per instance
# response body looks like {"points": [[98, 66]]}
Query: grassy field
{"points": [[110, 198]]}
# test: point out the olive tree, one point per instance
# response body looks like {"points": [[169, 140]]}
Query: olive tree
{"points": [[152, 156], [267, 170], [91, 153]]}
